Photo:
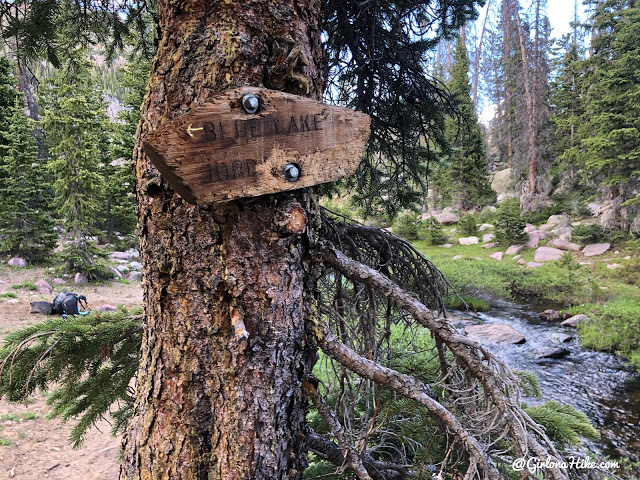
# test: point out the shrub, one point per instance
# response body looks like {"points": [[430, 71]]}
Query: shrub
{"points": [[510, 223], [407, 225], [589, 233], [467, 225], [434, 233]]}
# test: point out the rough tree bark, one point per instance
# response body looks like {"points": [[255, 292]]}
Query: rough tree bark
{"points": [[225, 351]]}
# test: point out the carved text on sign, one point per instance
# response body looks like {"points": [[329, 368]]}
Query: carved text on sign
{"points": [[219, 152]]}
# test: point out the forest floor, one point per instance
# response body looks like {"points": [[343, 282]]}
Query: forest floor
{"points": [[32, 446]]}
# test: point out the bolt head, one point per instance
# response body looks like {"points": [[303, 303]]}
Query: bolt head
{"points": [[250, 103], [291, 172]]}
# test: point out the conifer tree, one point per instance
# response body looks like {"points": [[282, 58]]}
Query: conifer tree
{"points": [[26, 219], [468, 170], [7, 100], [74, 119], [612, 111], [121, 180]]}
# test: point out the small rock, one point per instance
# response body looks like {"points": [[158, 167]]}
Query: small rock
{"points": [[549, 314], [41, 307], [628, 257], [546, 227], [564, 232], [469, 241], [561, 337], [17, 262], [575, 320], [565, 245], [115, 272], [135, 266], [122, 268], [447, 245], [614, 266], [58, 281], [106, 308], [490, 245], [534, 239], [485, 226], [494, 333], [522, 261], [529, 228], [80, 279], [545, 254], [595, 209], [514, 249], [498, 255], [551, 352], [43, 287], [617, 252], [516, 257], [456, 257], [133, 252], [534, 264], [487, 237], [595, 249], [135, 276], [490, 208]]}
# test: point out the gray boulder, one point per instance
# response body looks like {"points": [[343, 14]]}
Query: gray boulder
{"points": [[135, 266], [135, 276], [17, 262], [575, 320], [502, 181], [448, 218], [490, 245], [116, 272], [487, 237], [58, 281], [546, 254], [497, 255], [121, 256], [468, 240], [494, 333], [514, 249], [551, 352], [43, 287], [561, 337], [80, 279], [595, 249], [549, 314], [534, 264], [564, 245]]}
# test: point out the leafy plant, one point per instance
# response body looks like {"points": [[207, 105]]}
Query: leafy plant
{"points": [[467, 225], [433, 232], [510, 223], [593, 233], [407, 225]]}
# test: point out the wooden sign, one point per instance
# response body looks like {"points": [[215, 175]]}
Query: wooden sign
{"points": [[220, 151]]}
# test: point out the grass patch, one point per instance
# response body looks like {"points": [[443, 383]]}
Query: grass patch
{"points": [[464, 302], [16, 417], [5, 441], [26, 285], [8, 295]]}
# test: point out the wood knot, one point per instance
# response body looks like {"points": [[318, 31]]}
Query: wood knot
{"points": [[297, 220]]}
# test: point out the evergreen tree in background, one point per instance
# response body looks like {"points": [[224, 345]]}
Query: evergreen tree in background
{"points": [[121, 178], [612, 110], [468, 171], [26, 219], [7, 101], [74, 120], [567, 101]]}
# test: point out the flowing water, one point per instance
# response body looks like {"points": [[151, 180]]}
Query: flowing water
{"points": [[597, 383]]}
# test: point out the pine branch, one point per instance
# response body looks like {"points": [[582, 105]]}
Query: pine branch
{"points": [[88, 360]]}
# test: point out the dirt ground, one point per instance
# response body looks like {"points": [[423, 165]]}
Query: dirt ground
{"points": [[32, 446]]}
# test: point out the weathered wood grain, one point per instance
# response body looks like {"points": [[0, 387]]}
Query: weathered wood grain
{"points": [[218, 152]]}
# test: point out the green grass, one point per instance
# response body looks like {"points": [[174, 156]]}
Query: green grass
{"points": [[26, 285], [5, 441], [8, 295], [15, 417]]}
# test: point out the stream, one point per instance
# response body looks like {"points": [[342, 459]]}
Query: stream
{"points": [[599, 384]]}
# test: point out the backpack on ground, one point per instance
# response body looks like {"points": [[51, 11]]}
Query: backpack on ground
{"points": [[68, 303]]}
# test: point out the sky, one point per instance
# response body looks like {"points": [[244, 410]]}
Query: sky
{"points": [[560, 14]]}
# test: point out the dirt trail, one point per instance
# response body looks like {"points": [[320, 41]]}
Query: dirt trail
{"points": [[32, 446]]}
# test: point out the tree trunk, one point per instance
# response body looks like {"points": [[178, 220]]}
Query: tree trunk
{"points": [[226, 287], [474, 97]]}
